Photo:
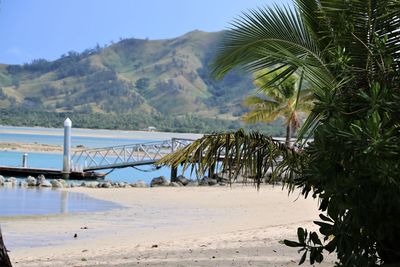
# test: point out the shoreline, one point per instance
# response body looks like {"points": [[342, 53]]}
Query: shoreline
{"points": [[32, 147], [198, 226], [101, 133]]}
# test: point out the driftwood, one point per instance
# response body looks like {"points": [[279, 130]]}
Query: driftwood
{"points": [[4, 259]]}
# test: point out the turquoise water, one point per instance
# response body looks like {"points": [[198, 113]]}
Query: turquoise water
{"points": [[52, 160], [87, 141], [46, 201]]}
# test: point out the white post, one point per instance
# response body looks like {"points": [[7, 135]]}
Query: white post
{"points": [[25, 160], [67, 148]]}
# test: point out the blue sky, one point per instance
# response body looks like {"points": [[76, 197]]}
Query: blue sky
{"points": [[32, 29]]}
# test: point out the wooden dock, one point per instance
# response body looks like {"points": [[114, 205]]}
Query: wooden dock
{"points": [[49, 173]]}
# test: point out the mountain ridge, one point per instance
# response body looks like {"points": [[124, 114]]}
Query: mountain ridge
{"points": [[133, 77]]}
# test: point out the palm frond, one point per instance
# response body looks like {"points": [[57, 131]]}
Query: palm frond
{"points": [[249, 154], [272, 38]]}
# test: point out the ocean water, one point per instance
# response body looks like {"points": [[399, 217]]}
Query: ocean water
{"points": [[41, 201], [51, 139], [85, 137], [45, 201]]}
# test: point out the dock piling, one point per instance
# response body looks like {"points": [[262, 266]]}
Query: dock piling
{"points": [[25, 160], [67, 149]]}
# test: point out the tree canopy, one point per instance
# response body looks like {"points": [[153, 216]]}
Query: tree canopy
{"points": [[349, 53], [285, 99]]}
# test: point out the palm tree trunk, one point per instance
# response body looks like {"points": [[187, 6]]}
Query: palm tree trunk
{"points": [[288, 134], [4, 259]]}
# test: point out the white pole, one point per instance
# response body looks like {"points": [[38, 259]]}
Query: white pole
{"points": [[67, 148], [25, 160]]}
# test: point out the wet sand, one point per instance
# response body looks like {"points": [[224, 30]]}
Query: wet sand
{"points": [[197, 226]]}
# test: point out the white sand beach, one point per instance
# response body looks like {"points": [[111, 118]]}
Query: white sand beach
{"points": [[196, 226]]}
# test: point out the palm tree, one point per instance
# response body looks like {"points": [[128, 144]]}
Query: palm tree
{"points": [[286, 100], [348, 52]]}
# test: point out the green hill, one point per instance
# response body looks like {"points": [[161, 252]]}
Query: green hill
{"points": [[156, 80]]}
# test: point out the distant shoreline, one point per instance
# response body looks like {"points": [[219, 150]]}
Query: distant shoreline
{"points": [[31, 147], [103, 133]]}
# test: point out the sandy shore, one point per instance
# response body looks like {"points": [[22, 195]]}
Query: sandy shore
{"points": [[199, 226], [115, 134], [31, 147], [83, 132]]}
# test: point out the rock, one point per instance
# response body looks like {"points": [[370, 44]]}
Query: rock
{"points": [[106, 185], [31, 181], [2, 180], [192, 183], [175, 184], [139, 183], [91, 184], [41, 178], [122, 184], [8, 184], [212, 182], [12, 180], [205, 181], [45, 183], [42, 182], [63, 182], [180, 179], [56, 184], [222, 180], [159, 181], [23, 184]]}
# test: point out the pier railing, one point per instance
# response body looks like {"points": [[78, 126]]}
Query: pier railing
{"points": [[125, 155]]}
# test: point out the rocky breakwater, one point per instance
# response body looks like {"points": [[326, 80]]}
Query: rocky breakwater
{"points": [[42, 182], [183, 181]]}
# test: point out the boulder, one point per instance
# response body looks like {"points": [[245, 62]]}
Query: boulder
{"points": [[41, 178], [192, 183], [205, 181], [175, 184], [23, 184], [45, 183], [63, 182], [12, 180], [106, 185], [223, 180], [139, 183], [180, 179], [159, 181], [2, 180], [42, 182], [56, 184], [8, 184], [31, 181], [91, 184]]}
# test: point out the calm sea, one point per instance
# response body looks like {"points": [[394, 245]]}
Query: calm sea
{"points": [[85, 137], [37, 201]]}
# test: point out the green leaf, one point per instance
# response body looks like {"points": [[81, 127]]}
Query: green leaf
{"points": [[292, 243], [325, 218], [300, 235], [331, 246], [303, 258], [315, 239]]}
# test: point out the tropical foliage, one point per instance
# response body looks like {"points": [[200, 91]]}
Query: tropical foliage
{"points": [[286, 99], [349, 52]]}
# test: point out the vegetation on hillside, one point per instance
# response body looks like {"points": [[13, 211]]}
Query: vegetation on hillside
{"points": [[161, 78], [129, 121], [349, 53]]}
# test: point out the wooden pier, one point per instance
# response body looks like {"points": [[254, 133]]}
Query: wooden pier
{"points": [[49, 173]]}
